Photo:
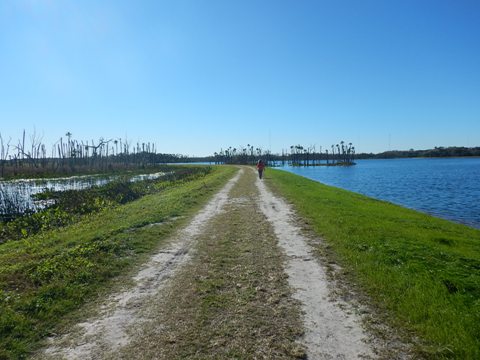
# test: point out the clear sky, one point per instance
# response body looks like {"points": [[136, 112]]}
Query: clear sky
{"points": [[195, 76]]}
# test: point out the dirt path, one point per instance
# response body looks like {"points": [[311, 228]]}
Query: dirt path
{"points": [[332, 330], [220, 291]]}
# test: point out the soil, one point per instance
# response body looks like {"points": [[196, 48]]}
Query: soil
{"points": [[302, 315]]}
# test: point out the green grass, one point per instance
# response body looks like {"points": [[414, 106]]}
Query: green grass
{"points": [[45, 277], [423, 271]]}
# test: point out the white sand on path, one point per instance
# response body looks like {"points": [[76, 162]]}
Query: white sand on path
{"points": [[332, 330]]}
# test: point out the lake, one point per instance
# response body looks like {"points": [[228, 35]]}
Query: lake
{"points": [[444, 187]]}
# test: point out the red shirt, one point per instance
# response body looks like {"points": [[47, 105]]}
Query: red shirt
{"points": [[260, 166]]}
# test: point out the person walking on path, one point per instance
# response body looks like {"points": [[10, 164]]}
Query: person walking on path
{"points": [[260, 168]]}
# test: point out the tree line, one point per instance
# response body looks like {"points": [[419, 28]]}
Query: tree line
{"points": [[337, 154], [440, 151], [31, 156], [241, 155], [297, 155]]}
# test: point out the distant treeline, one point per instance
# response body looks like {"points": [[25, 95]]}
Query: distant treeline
{"points": [[333, 154], [29, 156], [297, 155], [453, 151]]}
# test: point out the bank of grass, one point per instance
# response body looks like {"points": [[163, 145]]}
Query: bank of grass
{"points": [[423, 270], [45, 277]]}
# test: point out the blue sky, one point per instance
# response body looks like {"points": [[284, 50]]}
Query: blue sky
{"points": [[195, 76]]}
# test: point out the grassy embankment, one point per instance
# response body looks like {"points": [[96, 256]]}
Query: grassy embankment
{"points": [[423, 271], [45, 277]]}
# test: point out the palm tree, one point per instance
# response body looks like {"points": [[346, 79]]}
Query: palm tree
{"points": [[69, 136]]}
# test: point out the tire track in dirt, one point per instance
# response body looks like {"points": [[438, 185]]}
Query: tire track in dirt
{"points": [[109, 330], [332, 330]]}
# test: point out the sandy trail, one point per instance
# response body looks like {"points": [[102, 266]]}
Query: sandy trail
{"points": [[109, 331], [332, 330]]}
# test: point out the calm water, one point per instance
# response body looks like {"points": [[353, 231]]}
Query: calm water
{"points": [[447, 188]]}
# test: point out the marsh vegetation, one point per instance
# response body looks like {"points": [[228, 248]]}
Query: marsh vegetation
{"points": [[24, 196], [31, 208], [30, 157]]}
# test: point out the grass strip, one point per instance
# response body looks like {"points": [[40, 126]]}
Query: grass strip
{"points": [[232, 301], [424, 271], [49, 275]]}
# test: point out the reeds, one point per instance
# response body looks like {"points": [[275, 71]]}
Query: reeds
{"points": [[13, 203]]}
